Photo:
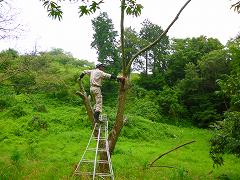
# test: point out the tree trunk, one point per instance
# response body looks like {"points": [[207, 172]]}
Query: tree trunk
{"points": [[146, 57], [113, 137]]}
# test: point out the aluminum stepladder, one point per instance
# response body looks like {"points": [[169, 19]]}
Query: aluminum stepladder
{"points": [[88, 166]]}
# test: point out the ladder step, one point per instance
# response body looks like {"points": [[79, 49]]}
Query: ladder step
{"points": [[102, 138], [90, 173], [94, 149], [92, 161]]}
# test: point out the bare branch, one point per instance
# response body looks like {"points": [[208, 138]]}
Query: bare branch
{"points": [[8, 26], [236, 7], [157, 40], [122, 37], [151, 164]]}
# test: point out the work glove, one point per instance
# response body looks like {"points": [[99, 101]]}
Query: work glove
{"points": [[81, 75], [113, 77], [120, 79]]}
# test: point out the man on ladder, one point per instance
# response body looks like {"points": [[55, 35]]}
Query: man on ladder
{"points": [[96, 77]]}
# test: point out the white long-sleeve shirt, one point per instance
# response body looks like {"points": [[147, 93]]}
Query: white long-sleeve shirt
{"points": [[96, 76]]}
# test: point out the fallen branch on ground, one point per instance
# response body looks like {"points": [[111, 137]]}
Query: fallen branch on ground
{"points": [[151, 164]]}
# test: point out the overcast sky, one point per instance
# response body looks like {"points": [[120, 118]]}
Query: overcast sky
{"points": [[212, 18]]}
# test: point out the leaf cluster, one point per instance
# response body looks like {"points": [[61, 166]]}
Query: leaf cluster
{"points": [[54, 10], [133, 8], [89, 9]]}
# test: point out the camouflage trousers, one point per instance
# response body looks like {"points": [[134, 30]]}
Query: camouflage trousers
{"points": [[97, 97]]}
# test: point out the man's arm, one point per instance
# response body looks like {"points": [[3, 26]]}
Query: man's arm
{"points": [[83, 73], [117, 78], [113, 77]]}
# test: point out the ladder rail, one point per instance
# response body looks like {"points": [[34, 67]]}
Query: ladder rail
{"points": [[108, 153], [96, 152], [85, 149]]}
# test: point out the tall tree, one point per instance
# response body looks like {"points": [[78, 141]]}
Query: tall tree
{"points": [[188, 50], [104, 41], [227, 136], [132, 46], [154, 58], [199, 86]]}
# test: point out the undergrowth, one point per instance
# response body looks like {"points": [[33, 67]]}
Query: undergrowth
{"points": [[47, 143]]}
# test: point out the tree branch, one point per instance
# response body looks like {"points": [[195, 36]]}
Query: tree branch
{"points": [[236, 6], [151, 164], [122, 37], [157, 40]]}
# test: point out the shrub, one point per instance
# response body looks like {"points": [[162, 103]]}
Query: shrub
{"points": [[204, 117], [227, 139], [3, 104], [23, 82], [169, 102], [147, 109], [16, 157], [6, 101], [37, 123], [40, 108], [17, 112]]}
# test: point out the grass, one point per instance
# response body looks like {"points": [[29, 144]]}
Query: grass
{"points": [[52, 151]]}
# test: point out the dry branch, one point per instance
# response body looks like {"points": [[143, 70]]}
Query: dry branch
{"points": [[151, 164], [158, 39]]}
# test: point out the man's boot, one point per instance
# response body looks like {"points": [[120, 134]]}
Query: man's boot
{"points": [[96, 116]]}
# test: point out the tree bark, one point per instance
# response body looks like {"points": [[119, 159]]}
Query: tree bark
{"points": [[113, 137]]}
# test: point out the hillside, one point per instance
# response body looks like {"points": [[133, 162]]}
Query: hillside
{"points": [[45, 129]]}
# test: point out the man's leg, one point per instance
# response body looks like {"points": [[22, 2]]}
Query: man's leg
{"points": [[96, 91]]}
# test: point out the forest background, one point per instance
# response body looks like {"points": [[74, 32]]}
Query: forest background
{"points": [[182, 90]]}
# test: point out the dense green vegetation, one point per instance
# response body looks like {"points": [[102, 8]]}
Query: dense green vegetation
{"points": [[187, 89], [44, 127]]}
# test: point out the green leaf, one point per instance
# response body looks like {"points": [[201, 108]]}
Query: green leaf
{"points": [[83, 10]]}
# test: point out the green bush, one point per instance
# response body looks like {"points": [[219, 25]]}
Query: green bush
{"points": [[6, 101], [40, 108], [147, 109], [137, 127], [17, 111], [23, 82], [37, 123], [3, 104], [226, 139], [205, 117], [143, 103], [169, 102], [16, 157]]}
